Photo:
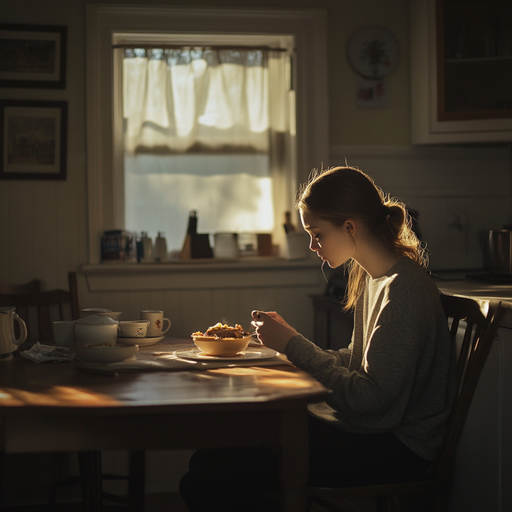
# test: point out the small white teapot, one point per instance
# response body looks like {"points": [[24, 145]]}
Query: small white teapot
{"points": [[95, 330]]}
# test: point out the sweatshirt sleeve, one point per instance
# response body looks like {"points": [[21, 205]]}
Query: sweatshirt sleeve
{"points": [[375, 396]]}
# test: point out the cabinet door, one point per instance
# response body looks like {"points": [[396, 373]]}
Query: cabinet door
{"points": [[483, 462], [461, 71], [474, 59]]}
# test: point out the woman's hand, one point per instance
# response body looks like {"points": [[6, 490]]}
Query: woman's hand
{"points": [[272, 330]]}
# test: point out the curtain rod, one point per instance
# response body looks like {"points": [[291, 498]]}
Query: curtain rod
{"points": [[205, 46]]}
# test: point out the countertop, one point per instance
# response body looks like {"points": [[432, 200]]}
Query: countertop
{"points": [[480, 291]]}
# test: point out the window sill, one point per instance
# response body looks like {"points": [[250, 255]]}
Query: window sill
{"points": [[203, 274]]}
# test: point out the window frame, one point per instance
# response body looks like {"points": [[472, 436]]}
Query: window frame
{"points": [[308, 27]]}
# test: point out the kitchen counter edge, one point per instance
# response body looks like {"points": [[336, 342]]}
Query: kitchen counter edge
{"points": [[481, 292]]}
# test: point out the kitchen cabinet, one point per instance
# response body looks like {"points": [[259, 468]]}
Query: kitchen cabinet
{"points": [[461, 71]]}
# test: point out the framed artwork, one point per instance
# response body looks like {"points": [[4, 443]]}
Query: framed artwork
{"points": [[33, 139], [33, 56]]}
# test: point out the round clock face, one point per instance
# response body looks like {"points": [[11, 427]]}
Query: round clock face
{"points": [[372, 52]]}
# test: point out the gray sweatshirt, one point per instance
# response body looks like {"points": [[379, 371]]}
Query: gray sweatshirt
{"points": [[398, 374]]}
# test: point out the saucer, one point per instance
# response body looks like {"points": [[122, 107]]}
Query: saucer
{"points": [[142, 342], [249, 353]]}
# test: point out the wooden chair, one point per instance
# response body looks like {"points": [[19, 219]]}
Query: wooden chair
{"points": [[472, 350], [33, 286], [39, 309]]}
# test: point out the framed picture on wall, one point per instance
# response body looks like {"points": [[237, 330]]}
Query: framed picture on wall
{"points": [[33, 56], [33, 139]]}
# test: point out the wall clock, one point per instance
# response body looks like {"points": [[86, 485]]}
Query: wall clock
{"points": [[372, 52]]}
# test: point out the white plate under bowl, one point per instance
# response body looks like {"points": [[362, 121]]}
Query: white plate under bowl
{"points": [[248, 353], [105, 354], [142, 342]]}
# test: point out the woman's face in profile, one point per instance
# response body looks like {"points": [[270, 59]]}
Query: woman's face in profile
{"points": [[333, 244]]}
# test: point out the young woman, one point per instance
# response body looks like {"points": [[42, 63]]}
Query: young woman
{"points": [[393, 387]]}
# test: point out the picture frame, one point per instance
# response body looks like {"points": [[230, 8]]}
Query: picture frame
{"points": [[33, 140], [33, 56]]}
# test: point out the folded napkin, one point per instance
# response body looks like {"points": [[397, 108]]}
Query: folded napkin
{"points": [[163, 357]]}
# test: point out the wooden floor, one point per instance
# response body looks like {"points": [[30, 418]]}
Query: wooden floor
{"points": [[168, 502]]}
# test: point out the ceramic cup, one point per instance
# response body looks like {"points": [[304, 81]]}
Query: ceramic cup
{"points": [[64, 333], [297, 245], [157, 321], [134, 328]]}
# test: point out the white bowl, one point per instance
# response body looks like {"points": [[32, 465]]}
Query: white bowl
{"points": [[221, 346], [92, 311], [106, 354]]}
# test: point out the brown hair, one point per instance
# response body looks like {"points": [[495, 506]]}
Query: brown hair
{"points": [[342, 193]]}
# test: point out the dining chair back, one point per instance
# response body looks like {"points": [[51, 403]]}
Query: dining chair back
{"points": [[39, 309], [33, 286], [473, 326]]}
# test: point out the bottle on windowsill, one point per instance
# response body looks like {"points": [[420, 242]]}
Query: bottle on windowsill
{"points": [[160, 247], [288, 226], [147, 248], [191, 230]]}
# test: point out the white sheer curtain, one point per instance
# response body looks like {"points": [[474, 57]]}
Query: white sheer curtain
{"points": [[204, 126], [196, 99]]}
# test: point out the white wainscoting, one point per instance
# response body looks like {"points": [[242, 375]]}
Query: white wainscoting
{"points": [[196, 295]]}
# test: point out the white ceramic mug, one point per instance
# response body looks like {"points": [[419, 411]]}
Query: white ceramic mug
{"points": [[64, 333], [156, 322]]}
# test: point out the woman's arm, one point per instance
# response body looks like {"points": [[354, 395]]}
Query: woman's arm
{"points": [[275, 333]]}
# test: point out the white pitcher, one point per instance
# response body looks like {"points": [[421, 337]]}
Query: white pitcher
{"points": [[8, 341]]}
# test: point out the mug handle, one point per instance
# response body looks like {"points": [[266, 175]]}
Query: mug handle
{"points": [[168, 326], [23, 331]]}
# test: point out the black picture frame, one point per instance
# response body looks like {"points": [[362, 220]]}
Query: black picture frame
{"points": [[33, 140], [33, 56]]}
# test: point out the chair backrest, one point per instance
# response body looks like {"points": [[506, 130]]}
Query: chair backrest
{"points": [[33, 286], [39, 309], [478, 323]]}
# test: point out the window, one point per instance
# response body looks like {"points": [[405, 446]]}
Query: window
{"points": [[111, 24], [198, 126]]}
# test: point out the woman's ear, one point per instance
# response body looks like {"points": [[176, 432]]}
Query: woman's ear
{"points": [[350, 227]]}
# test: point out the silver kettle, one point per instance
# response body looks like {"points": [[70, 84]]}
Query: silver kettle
{"points": [[500, 251]]}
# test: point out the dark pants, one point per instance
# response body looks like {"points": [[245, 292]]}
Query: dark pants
{"points": [[245, 479]]}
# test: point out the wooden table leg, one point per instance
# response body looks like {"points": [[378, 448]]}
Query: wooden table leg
{"points": [[294, 460], [90, 469], [136, 480]]}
